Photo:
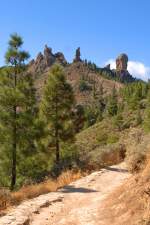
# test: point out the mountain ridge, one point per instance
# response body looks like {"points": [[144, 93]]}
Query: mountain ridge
{"points": [[85, 77]]}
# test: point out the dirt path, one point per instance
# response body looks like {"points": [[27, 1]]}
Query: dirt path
{"points": [[76, 204], [80, 201]]}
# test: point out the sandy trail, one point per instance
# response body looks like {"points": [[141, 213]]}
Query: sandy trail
{"points": [[79, 202]]}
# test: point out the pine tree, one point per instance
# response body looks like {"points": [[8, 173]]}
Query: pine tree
{"points": [[138, 117], [118, 121], [79, 117], [147, 114], [17, 107], [56, 107], [112, 105]]}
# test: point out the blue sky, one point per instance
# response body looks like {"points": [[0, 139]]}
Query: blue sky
{"points": [[102, 28]]}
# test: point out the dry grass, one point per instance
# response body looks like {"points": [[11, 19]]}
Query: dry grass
{"points": [[137, 149], [130, 203], [99, 146], [32, 191]]}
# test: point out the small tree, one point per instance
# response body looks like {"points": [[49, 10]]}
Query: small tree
{"points": [[147, 114], [56, 106], [138, 117], [112, 105], [118, 121], [17, 107]]}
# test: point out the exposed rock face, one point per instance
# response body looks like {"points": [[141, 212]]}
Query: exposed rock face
{"points": [[121, 66], [121, 72], [122, 62], [60, 58], [49, 58], [77, 56], [43, 62]]}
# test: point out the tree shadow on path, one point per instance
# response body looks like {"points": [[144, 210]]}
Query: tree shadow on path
{"points": [[116, 169], [73, 189]]}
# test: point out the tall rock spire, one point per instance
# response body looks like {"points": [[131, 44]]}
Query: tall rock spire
{"points": [[77, 56]]}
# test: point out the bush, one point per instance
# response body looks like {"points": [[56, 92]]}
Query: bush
{"points": [[112, 138], [5, 198], [136, 154], [102, 137], [84, 86]]}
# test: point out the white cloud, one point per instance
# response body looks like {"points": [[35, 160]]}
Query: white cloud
{"points": [[137, 69]]}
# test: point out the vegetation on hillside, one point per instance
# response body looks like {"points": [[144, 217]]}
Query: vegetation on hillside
{"points": [[109, 74], [42, 137]]}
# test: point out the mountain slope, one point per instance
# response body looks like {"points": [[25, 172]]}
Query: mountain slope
{"points": [[85, 77], [77, 74]]}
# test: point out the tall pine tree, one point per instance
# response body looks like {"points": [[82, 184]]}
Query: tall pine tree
{"points": [[17, 108], [112, 105], [56, 107]]}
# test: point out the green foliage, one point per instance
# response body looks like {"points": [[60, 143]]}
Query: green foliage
{"points": [[147, 120], [79, 117], [134, 93], [56, 108], [84, 86], [102, 137], [112, 138], [139, 119], [112, 105], [32, 147], [118, 121], [91, 115], [17, 110]]}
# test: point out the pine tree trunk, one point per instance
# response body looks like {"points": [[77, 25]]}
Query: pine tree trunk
{"points": [[14, 145], [57, 153], [13, 173], [56, 135], [57, 148]]}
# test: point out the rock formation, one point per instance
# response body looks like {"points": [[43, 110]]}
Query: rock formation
{"points": [[121, 67], [121, 71], [122, 62], [43, 62], [77, 56], [49, 58], [59, 56]]}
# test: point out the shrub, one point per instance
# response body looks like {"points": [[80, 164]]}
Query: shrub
{"points": [[102, 137], [112, 138], [32, 191], [5, 198], [84, 86], [136, 154]]}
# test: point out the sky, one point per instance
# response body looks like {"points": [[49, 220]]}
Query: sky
{"points": [[101, 28]]}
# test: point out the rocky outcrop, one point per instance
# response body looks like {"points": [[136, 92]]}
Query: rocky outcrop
{"points": [[60, 58], [122, 62], [49, 58], [121, 66], [43, 62], [77, 56], [121, 72]]}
